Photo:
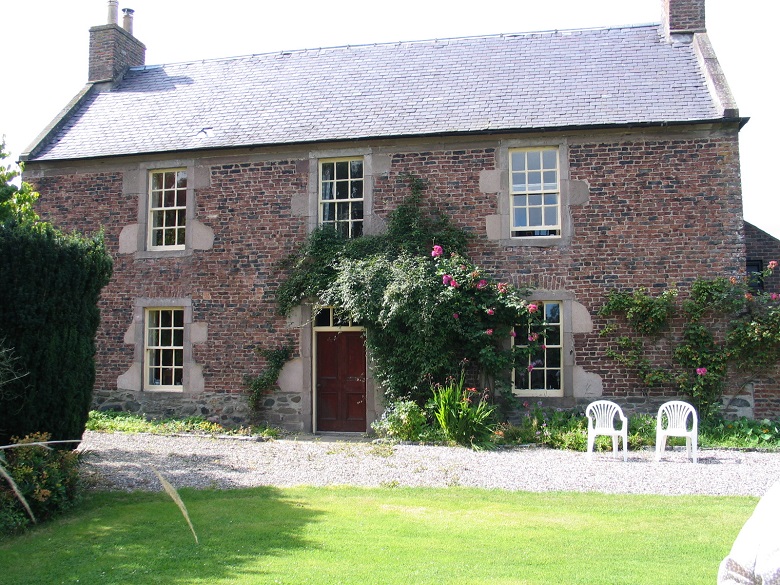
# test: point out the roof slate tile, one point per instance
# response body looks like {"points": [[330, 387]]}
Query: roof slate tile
{"points": [[497, 83]]}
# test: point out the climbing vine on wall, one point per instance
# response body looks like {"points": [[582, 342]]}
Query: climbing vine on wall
{"points": [[427, 309], [726, 323]]}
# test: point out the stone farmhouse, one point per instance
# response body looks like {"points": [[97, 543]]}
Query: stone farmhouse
{"points": [[580, 160]]}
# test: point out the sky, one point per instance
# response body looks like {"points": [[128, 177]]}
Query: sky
{"points": [[45, 49]]}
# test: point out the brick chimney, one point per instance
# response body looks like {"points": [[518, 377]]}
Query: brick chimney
{"points": [[112, 49], [683, 17]]}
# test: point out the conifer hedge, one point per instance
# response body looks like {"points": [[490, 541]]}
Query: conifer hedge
{"points": [[50, 283]]}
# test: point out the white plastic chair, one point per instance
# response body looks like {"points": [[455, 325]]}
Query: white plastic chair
{"points": [[675, 415], [601, 421]]}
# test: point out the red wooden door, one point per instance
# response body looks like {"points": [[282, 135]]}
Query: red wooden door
{"points": [[341, 381]]}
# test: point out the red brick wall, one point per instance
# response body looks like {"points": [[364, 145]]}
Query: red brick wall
{"points": [[685, 15], [111, 51], [764, 247], [660, 213]]}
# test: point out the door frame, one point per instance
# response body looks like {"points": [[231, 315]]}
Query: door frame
{"points": [[370, 412]]}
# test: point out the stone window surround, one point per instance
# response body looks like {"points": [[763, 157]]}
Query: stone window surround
{"points": [[194, 333], [372, 165], [497, 182], [134, 238]]}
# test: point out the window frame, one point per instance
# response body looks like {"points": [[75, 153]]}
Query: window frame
{"points": [[336, 201], [178, 349], [181, 211], [542, 193], [560, 346]]}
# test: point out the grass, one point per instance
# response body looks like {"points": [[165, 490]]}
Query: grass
{"points": [[123, 422], [383, 535]]}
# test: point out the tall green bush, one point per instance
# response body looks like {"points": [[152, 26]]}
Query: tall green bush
{"points": [[50, 283]]}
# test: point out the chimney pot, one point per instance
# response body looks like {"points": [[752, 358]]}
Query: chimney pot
{"points": [[113, 11], [127, 19]]}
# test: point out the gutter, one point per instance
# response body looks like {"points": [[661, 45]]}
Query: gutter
{"points": [[739, 121]]}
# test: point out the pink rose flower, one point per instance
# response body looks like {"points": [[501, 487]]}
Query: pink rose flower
{"points": [[701, 371], [482, 284], [454, 283], [446, 279], [512, 333], [454, 315], [774, 296], [533, 308], [437, 251], [533, 337], [772, 264], [491, 312], [489, 332], [502, 287], [530, 367]]}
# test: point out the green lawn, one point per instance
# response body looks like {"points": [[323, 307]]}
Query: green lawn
{"points": [[380, 536]]}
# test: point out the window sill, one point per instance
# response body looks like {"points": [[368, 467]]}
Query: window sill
{"points": [[538, 393], [165, 389], [533, 241], [164, 253]]}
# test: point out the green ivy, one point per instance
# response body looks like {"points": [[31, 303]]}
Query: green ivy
{"points": [[313, 267], [725, 324], [265, 382], [425, 313]]}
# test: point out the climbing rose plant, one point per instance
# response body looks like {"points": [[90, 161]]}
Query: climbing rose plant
{"points": [[426, 308], [427, 316], [727, 325]]}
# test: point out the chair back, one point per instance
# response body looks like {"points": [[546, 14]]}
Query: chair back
{"points": [[676, 413], [601, 414]]}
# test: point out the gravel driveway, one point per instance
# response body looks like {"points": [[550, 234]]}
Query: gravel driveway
{"points": [[124, 461]]}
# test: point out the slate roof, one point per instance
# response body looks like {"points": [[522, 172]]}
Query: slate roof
{"points": [[500, 83]]}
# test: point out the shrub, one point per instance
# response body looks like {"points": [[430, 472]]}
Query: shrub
{"points": [[403, 420], [424, 305], [49, 288], [48, 480], [742, 432], [464, 415]]}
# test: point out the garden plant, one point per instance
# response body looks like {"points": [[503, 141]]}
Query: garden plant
{"points": [[729, 327]]}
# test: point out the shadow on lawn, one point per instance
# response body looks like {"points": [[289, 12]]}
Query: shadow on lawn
{"points": [[142, 538]]}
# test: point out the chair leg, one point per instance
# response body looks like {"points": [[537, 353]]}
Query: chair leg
{"points": [[625, 447], [614, 445], [695, 450], [591, 439], [660, 446]]}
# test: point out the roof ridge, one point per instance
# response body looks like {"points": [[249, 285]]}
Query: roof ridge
{"points": [[286, 52]]}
